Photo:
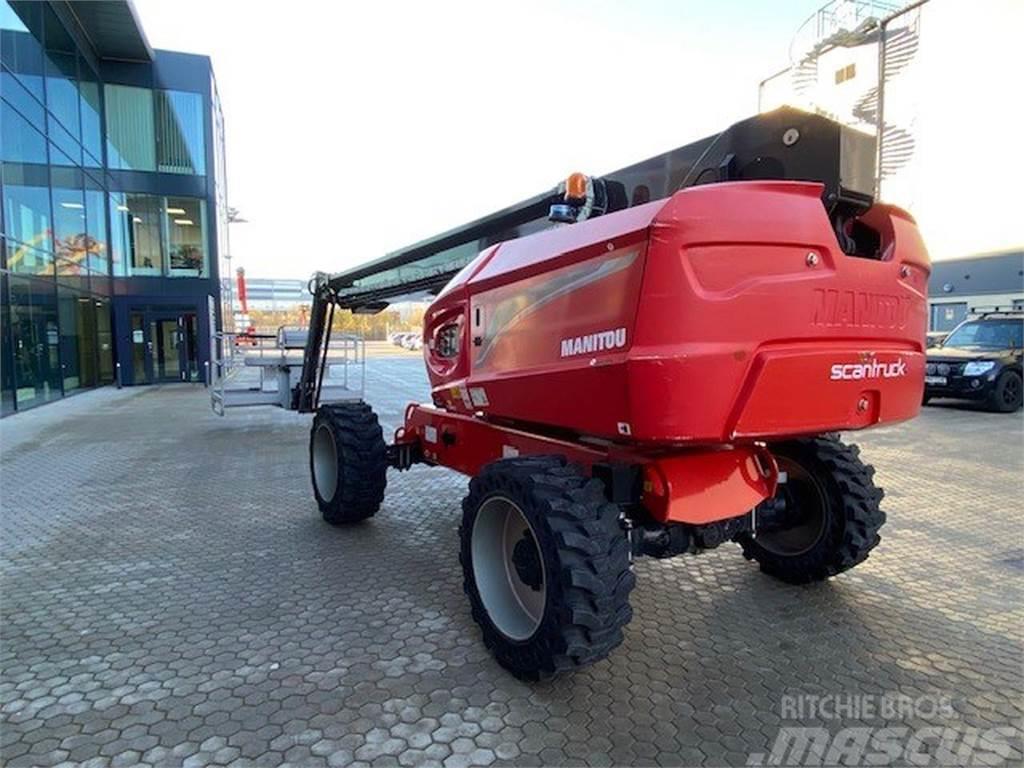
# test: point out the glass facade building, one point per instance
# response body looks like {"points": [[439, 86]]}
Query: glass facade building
{"points": [[113, 203]]}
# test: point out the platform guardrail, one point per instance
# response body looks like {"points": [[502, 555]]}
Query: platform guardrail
{"points": [[257, 369]]}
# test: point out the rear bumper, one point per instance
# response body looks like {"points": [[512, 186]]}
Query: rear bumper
{"points": [[826, 390], [711, 395]]}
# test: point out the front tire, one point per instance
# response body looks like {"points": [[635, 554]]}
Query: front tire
{"points": [[546, 566], [832, 515], [1008, 394], [347, 462]]}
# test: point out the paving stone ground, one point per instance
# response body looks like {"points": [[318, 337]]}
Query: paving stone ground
{"points": [[170, 596]]}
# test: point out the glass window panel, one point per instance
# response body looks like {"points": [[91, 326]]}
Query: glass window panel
{"points": [[88, 340], [135, 234], [35, 341], [90, 161], [20, 33], [28, 260], [78, 339], [18, 96], [166, 348], [147, 253], [141, 354], [27, 217], [23, 345], [180, 145], [186, 235], [120, 240], [69, 151], [61, 74], [70, 346], [92, 135], [19, 141], [62, 90], [105, 341], [6, 350], [131, 141], [96, 229], [70, 240]]}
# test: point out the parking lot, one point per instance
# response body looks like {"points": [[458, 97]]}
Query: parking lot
{"points": [[170, 595]]}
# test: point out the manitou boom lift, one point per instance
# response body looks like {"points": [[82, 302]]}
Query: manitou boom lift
{"points": [[652, 362]]}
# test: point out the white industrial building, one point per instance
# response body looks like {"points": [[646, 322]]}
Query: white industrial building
{"points": [[935, 82]]}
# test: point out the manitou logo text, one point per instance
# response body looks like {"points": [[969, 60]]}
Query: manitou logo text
{"points": [[871, 370], [594, 342], [859, 309]]}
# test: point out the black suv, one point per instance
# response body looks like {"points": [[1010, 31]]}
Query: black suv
{"points": [[980, 360]]}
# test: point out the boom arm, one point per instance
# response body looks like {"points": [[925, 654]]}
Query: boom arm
{"points": [[318, 340], [785, 144]]}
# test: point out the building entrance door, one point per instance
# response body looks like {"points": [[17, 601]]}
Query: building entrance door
{"points": [[164, 347], [142, 350], [174, 347]]}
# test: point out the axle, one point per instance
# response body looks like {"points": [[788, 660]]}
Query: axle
{"points": [[662, 540]]}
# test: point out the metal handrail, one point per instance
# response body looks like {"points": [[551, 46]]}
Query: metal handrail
{"points": [[344, 350], [832, 19]]}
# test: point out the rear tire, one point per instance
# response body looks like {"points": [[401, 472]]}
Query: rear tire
{"points": [[546, 566], [1007, 394], [347, 462], [835, 511]]}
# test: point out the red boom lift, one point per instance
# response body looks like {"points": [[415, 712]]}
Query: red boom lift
{"points": [[660, 365], [245, 331]]}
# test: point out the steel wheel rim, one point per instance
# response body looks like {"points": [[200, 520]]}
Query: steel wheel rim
{"points": [[805, 495], [514, 606], [325, 462]]}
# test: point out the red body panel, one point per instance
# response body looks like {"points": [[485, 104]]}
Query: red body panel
{"points": [[695, 486], [704, 486], [724, 313]]}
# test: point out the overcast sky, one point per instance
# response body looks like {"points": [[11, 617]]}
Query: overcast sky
{"points": [[354, 128]]}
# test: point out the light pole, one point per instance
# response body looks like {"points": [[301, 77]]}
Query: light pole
{"points": [[227, 351], [234, 217]]}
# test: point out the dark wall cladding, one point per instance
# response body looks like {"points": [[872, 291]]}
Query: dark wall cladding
{"points": [[94, 232], [170, 70], [992, 273]]}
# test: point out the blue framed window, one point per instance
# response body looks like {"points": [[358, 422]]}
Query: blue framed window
{"points": [[179, 121], [131, 134]]}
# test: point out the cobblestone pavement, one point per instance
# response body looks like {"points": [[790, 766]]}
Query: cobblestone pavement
{"points": [[170, 596]]}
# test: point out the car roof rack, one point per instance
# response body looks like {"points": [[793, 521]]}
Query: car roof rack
{"points": [[985, 311]]}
